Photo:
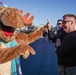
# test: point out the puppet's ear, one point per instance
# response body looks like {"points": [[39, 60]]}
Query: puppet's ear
{"points": [[21, 11], [28, 21]]}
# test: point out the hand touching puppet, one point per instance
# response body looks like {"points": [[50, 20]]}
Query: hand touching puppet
{"points": [[14, 44]]}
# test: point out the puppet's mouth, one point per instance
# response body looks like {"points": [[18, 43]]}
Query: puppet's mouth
{"points": [[8, 31]]}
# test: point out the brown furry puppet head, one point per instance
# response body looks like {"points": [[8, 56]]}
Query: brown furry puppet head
{"points": [[10, 19]]}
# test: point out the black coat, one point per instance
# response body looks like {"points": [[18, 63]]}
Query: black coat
{"points": [[67, 52]]}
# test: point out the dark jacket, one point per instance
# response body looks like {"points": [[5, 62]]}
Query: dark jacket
{"points": [[67, 52], [60, 34]]}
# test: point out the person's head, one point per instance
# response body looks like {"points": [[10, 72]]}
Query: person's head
{"points": [[69, 22], [60, 23]]}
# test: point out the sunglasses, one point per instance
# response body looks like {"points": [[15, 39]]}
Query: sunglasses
{"points": [[59, 23], [64, 22]]}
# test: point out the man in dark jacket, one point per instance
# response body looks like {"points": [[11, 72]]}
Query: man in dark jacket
{"points": [[58, 38], [67, 52]]}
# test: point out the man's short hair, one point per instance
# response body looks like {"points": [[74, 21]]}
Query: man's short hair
{"points": [[59, 20], [70, 15]]}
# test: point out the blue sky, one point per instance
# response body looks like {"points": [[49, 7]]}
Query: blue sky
{"points": [[44, 9]]}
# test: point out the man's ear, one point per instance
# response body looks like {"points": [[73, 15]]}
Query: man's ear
{"points": [[21, 11], [71, 22]]}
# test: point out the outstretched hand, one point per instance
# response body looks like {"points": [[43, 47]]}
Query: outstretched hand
{"points": [[48, 25], [25, 50]]}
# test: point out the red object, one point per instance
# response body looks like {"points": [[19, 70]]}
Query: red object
{"points": [[1, 3], [7, 31]]}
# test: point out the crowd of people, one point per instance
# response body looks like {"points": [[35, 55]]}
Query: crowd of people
{"points": [[65, 41]]}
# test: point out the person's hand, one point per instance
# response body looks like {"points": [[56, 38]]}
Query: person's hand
{"points": [[25, 50], [48, 25], [58, 43]]}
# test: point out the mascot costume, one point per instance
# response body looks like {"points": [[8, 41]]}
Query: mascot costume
{"points": [[12, 44]]}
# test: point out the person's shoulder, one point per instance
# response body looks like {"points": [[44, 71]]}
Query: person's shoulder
{"points": [[71, 36]]}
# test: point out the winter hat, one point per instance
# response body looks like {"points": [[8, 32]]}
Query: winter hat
{"points": [[1, 4], [4, 5]]}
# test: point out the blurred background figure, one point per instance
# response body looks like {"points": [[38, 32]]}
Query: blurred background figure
{"points": [[56, 36]]}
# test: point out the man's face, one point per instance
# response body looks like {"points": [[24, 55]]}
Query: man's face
{"points": [[68, 24], [60, 24]]}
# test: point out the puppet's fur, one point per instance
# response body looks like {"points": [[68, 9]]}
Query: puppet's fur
{"points": [[12, 18]]}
